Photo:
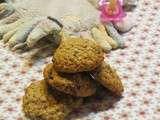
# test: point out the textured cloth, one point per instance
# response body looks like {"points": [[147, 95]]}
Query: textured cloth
{"points": [[138, 65]]}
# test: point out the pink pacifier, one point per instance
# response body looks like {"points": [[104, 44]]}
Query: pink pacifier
{"points": [[111, 10]]}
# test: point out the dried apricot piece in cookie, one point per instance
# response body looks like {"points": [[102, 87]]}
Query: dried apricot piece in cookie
{"points": [[77, 55], [77, 84], [41, 102], [109, 78]]}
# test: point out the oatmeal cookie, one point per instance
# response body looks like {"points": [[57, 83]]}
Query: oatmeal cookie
{"points": [[77, 84], [42, 102], [77, 55], [109, 78]]}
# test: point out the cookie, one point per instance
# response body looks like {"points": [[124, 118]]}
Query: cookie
{"points": [[77, 55], [41, 102], [77, 84], [109, 78]]}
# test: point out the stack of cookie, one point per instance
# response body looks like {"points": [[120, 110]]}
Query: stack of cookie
{"points": [[73, 74]]}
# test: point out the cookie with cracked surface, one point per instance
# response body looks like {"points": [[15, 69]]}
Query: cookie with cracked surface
{"points": [[42, 102], [77, 55], [77, 84], [109, 78]]}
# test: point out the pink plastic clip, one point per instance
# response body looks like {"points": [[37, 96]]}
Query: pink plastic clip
{"points": [[116, 16]]}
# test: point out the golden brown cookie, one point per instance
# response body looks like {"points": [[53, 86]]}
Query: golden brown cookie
{"points": [[41, 102], [109, 78], [77, 84], [77, 55]]}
